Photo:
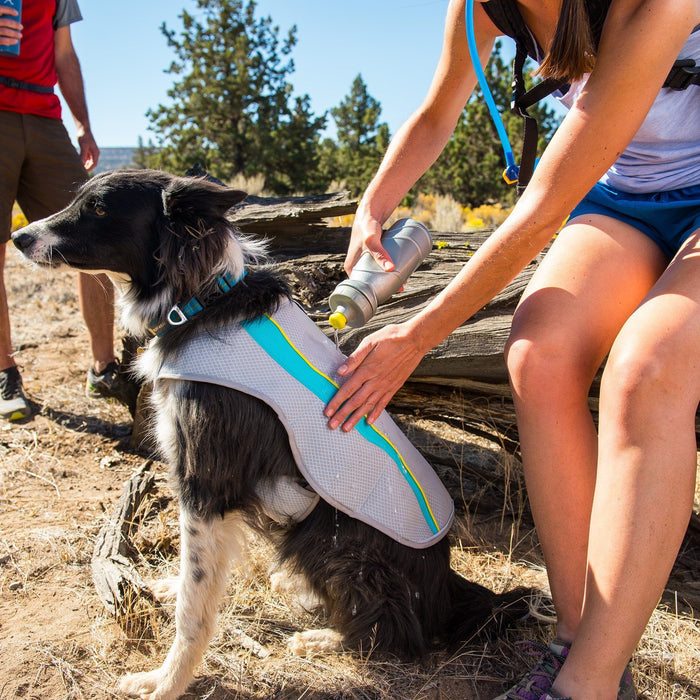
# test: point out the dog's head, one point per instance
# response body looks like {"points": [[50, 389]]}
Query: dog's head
{"points": [[160, 237]]}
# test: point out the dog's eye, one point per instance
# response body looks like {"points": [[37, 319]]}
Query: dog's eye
{"points": [[99, 209]]}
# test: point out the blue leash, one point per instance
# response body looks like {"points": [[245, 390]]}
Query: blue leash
{"points": [[510, 174]]}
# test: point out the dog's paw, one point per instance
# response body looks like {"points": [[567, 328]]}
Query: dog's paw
{"points": [[165, 590], [146, 686], [310, 642]]}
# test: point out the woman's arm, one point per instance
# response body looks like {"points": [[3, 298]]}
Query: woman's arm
{"points": [[418, 143], [601, 123]]}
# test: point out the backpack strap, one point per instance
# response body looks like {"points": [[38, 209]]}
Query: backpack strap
{"points": [[507, 18], [685, 72], [521, 101]]}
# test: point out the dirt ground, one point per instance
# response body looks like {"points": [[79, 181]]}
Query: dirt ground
{"points": [[62, 471]]}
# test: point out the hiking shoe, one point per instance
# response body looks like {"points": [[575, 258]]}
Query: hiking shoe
{"points": [[627, 691], [535, 684], [13, 402], [111, 383]]}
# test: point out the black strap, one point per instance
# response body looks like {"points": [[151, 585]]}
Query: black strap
{"points": [[521, 101], [685, 72], [506, 16], [21, 85]]}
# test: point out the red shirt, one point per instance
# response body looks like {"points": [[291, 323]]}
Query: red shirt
{"points": [[36, 63]]}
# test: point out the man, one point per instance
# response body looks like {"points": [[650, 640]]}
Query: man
{"points": [[40, 169]]}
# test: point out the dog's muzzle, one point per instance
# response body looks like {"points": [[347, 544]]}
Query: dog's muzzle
{"points": [[33, 245]]}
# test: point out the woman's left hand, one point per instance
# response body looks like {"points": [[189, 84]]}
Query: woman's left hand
{"points": [[379, 366]]}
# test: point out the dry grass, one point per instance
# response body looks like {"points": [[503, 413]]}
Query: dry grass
{"points": [[62, 472]]}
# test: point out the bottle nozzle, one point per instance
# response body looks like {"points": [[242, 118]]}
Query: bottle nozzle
{"points": [[337, 320]]}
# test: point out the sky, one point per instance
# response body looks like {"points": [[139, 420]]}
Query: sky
{"points": [[393, 44]]}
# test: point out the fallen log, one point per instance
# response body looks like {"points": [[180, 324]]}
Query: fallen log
{"points": [[289, 219], [117, 583]]}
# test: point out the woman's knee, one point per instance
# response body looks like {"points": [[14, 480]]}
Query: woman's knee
{"points": [[546, 363], [645, 373]]}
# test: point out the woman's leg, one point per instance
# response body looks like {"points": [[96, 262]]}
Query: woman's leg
{"points": [[596, 273], [645, 478]]}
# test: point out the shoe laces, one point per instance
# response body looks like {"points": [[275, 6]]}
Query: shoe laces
{"points": [[108, 374], [10, 384], [540, 679]]}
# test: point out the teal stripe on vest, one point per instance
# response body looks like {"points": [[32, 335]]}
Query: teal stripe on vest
{"points": [[268, 335]]}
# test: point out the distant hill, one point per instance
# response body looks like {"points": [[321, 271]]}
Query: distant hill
{"points": [[114, 158]]}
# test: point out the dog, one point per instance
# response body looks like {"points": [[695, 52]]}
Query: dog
{"points": [[164, 239]]}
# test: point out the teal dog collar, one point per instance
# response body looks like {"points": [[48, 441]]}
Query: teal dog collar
{"points": [[180, 314]]}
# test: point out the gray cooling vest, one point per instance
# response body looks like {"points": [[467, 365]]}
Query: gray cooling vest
{"points": [[373, 473]]}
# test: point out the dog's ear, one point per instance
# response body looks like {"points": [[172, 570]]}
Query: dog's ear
{"points": [[196, 199]]}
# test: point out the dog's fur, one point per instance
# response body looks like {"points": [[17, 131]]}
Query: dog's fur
{"points": [[164, 239]]}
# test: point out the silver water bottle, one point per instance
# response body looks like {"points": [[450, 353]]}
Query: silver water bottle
{"points": [[355, 300]]}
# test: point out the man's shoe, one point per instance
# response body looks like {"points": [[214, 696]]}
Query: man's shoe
{"points": [[13, 402], [111, 383]]}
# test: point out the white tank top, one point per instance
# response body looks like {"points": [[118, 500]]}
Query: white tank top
{"points": [[665, 153]]}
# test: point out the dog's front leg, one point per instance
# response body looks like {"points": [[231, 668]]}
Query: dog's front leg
{"points": [[207, 548]]}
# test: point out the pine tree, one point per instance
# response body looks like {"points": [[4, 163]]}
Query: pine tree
{"points": [[231, 108], [361, 139]]}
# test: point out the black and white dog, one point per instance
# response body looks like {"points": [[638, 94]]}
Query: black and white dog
{"points": [[164, 239]]}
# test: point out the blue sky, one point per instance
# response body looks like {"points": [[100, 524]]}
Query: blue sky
{"points": [[394, 44]]}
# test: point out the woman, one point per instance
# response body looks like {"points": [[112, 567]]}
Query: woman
{"points": [[621, 280]]}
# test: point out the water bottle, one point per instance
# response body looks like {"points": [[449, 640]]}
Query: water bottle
{"points": [[355, 300]]}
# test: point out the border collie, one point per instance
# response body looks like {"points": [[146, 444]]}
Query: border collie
{"points": [[164, 239]]}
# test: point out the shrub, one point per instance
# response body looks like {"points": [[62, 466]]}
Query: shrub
{"points": [[18, 219]]}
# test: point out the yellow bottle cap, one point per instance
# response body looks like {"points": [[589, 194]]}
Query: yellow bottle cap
{"points": [[337, 320]]}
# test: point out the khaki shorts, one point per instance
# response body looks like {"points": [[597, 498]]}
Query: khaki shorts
{"points": [[39, 167]]}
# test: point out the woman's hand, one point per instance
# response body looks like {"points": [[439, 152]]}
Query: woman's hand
{"points": [[375, 371], [367, 235]]}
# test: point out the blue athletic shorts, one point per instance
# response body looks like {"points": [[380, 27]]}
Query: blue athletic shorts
{"points": [[668, 218]]}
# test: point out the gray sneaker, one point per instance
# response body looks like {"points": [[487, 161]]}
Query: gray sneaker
{"points": [[111, 383], [13, 402], [536, 684]]}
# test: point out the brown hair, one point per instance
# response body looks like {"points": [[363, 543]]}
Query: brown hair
{"points": [[571, 53]]}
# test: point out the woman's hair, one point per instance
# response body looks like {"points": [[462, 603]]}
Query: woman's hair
{"points": [[572, 52]]}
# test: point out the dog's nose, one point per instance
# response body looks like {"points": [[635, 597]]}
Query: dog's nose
{"points": [[22, 240]]}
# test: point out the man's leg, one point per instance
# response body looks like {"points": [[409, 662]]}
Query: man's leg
{"points": [[6, 359], [51, 175], [11, 158], [96, 297], [13, 402]]}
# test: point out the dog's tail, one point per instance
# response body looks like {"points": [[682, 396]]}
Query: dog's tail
{"points": [[478, 612]]}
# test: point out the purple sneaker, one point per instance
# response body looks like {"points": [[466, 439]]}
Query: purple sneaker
{"points": [[535, 684]]}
